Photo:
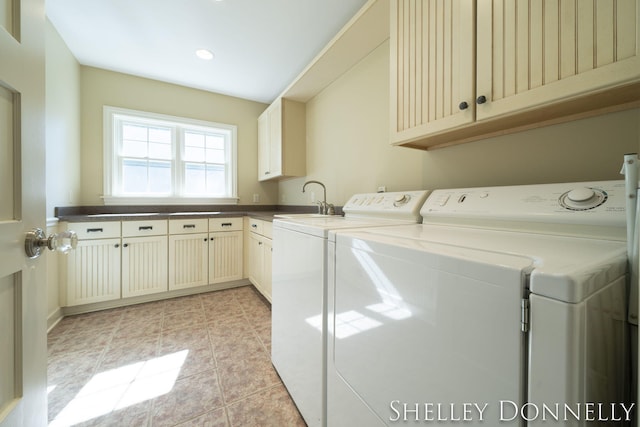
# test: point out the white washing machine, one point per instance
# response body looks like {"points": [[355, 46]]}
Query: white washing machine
{"points": [[507, 306], [298, 308]]}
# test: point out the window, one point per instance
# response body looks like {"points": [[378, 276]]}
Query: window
{"points": [[152, 158]]}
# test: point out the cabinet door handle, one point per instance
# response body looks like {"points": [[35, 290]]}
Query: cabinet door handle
{"points": [[267, 173], [463, 105], [145, 227], [189, 226], [94, 230], [254, 225], [205, 239], [260, 243], [117, 245], [126, 245], [481, 99]]}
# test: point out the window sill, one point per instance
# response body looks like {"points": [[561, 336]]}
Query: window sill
{"points": [[119, 201]]}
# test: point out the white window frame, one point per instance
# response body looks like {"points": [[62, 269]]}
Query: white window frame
{"points": [[112, 174]]}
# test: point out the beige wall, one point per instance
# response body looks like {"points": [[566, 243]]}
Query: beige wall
{"points": [[347, 138], [62, 148], [101, 87], [582, 150], [62, 123]]}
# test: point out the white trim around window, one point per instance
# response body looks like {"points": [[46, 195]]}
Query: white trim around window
{"points": [[186, 161]]}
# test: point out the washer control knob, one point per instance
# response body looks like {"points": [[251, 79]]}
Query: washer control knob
{"points": [[401, 199], [580, 194], [583, 198]]}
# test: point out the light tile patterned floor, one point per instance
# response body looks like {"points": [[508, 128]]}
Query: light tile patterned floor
{"points": [[201, 360]]}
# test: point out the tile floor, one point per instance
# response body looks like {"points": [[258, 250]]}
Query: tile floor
{"points": [[201, 360]]}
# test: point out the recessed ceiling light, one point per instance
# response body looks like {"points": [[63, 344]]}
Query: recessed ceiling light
{"points": [[204, 54]]}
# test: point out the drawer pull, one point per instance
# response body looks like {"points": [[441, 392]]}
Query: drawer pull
{"points": [[254, 225], [94, 230], [189, 226], [226, 224], [145, 227]]}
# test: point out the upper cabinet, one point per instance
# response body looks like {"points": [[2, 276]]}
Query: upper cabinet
{"points": [[462, 70], [282, 140]]}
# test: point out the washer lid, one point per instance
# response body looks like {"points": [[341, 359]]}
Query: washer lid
{"points": [[564, 268]]}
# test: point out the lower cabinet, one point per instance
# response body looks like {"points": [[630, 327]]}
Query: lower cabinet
{"points": [[206, 251], [188, 260], [225, 256], [144, 265], [123, 259], [92, 272], [259, 255]]}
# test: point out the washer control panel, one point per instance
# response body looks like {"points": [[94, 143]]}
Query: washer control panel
{"points": [[392, 203], [587, 203]]}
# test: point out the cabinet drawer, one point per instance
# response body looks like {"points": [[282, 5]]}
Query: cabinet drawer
{"points": [[95, 230], [255, 225], [144, 228], [188, 226], [225, 224]]}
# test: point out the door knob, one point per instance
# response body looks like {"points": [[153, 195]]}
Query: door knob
{"points": [[36, 240]]}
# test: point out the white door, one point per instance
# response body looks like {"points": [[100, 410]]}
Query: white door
{"points": [[23, 352]]}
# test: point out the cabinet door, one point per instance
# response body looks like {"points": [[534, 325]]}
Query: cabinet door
{"points": [[188, 260], [144, 265], [256, 259], [225, 256], [275, 138], [264, 150], [268, 252], [93, 272], [432, 66], [531, 54]]}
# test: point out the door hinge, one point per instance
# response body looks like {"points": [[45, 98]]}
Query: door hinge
{"points": [[524, 314]]}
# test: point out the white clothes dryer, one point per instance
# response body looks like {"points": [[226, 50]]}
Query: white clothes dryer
{"points": [[298, 347], [507, 306]]}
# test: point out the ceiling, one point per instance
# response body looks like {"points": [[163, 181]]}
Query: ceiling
{"points": [[259, 46]]}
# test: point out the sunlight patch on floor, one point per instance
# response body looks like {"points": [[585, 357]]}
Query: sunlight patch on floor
{"points": [[122, 387]]}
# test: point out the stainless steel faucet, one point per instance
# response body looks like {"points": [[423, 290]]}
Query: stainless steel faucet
{"points": [[323, 207]]}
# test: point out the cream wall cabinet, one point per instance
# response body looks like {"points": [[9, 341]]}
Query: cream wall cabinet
{"points": [[282, 140], [259, 244], [91, 272], [463, 70]]}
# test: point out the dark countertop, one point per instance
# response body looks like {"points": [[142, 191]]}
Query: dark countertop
{"points": [[142, 213]]}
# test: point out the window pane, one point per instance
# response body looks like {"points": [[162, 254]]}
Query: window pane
{"points": [[134, 176], [194, 146], [134, 132], [215, 141], [160, 135], [160, 151], [143, 177], [216, 182], [160, 177], [132, 148], [215, 156], [195, 179]]}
